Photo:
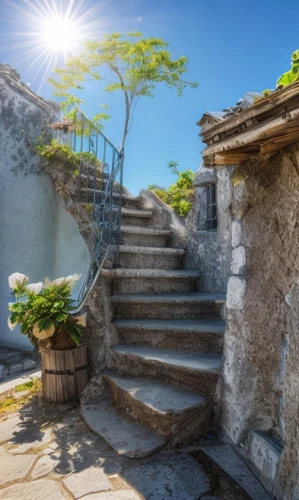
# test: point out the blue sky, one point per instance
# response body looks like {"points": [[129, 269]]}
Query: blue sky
{"points": [[233, 47]]}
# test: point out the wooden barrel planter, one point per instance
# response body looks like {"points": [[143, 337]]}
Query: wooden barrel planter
{"points": [[64, 374]]}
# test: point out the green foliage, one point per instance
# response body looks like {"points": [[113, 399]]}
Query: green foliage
{"points": [[89, 207], [83, 125], [174, 167], [264, 94], [10, 403], [136, 65], [48, 310], [62, 155], [179, 195], [27, 385]]}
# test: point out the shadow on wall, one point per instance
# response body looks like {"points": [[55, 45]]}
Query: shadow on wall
{"points": [[38, 238]]}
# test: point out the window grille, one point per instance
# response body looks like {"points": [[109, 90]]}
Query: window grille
{"points": [[211, 220]]}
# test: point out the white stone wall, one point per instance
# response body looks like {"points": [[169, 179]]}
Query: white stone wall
{"points": [[37, 236]]}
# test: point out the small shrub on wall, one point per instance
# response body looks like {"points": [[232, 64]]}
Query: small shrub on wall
{"points": [[179, 195], [62, 155]]}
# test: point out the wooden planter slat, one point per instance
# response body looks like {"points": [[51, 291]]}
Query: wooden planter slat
{"points": [[65, 374]]}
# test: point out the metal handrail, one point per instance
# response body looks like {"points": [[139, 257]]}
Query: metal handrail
{"points": [[100, 185]]}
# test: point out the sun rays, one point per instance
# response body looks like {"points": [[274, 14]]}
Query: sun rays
{"points": [[42, 33]]}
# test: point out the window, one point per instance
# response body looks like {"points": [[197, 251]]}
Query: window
{"points": [[211, 220]]}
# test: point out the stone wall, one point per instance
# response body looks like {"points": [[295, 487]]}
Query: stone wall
{"points": [[37, 235], [260, 390], [210, 251]]}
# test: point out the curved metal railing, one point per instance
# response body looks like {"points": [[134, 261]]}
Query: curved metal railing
{"points": [[100, 184]]}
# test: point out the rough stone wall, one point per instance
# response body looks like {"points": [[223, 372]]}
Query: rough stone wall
{"points": [[164, 217], [289, 463], [37, 236], [210, 251], [260, 379]]}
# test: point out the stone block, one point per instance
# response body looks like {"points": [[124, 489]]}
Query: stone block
{"points": [[264, 453], [238, 260], [236, 233], [16, 368], [14, 468], [114, 495], [233, 465], [236, 293], [91, 480], [43, 489], [204, 177], [9, 428], [168, 477], [32, 439], [43, 466]]}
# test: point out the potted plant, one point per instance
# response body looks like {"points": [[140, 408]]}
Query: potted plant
{"points": [[43, 311]]}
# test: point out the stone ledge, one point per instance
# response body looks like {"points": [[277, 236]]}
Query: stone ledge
{"points": [[236, 293], [264, 453], [12, 79]]}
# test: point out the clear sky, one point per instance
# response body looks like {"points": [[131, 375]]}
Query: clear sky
{"points": [[233, 47]]}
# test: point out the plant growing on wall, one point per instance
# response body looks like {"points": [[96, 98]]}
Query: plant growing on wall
{"points": [[62, 156], [179, 195], [135, 66], [43, 310]]}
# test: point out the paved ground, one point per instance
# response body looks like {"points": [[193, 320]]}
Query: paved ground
{"points": [[50, 454], [15, 362]]}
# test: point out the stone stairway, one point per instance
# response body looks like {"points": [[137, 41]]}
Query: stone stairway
{"points": [[161, 377]]}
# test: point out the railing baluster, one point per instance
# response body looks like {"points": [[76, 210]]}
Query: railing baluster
{"points": [[105, 187]]}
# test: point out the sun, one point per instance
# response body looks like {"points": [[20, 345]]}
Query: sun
{"points": [[60, 34], [44, 33]]}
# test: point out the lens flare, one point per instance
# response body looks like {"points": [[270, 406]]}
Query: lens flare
{"points": [[60, 34], [43, 33]]}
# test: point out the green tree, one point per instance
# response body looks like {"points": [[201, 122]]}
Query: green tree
{"points": [[135, 64], [179, 195]]}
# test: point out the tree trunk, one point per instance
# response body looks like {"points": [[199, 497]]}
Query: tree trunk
{"points": [[126, 120]]}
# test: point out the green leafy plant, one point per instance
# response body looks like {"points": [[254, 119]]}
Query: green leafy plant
{"points": [[43, 310], [62, 155], [179, 195], [263, 95], [135, 65]]}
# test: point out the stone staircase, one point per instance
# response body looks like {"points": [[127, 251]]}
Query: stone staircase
{"points": [[162, 375]]}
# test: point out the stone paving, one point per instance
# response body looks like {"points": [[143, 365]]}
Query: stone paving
{"points": [[14, 362], [48, 453]]}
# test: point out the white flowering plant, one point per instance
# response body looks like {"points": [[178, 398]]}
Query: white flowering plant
{"points": [[43, 310]]}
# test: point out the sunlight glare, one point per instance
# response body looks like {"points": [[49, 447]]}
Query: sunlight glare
{"points": [[46, 32], [59, 34]]}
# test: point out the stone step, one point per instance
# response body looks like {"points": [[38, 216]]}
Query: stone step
{"points": [[150, 257], [8, 356], [136, 218], [152, 280], [177, 414], [190, 334], [128, 201], [131, 202], [197, 371], [124, 434], [139, 236], [168, 305]]}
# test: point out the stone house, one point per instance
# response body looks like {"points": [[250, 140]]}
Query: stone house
{"points": [[252, 161], [194, 326]]}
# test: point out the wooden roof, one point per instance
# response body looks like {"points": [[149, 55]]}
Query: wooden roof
{"points": [[263, 128]]}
